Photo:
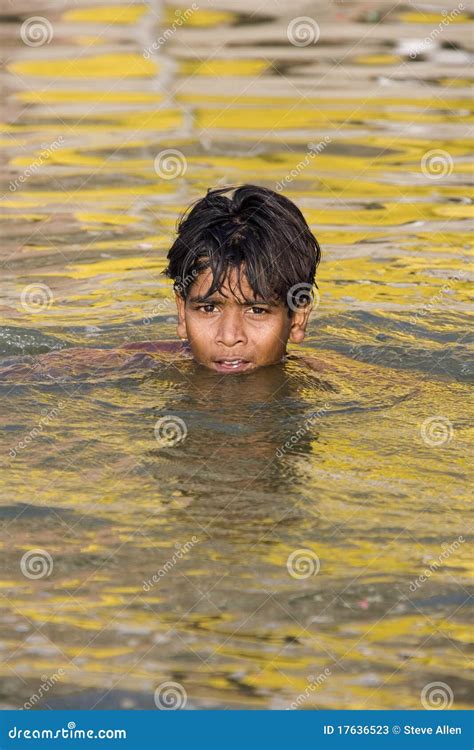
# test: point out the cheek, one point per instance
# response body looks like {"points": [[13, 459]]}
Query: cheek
{"points": [[199, 331], [272, 335]]}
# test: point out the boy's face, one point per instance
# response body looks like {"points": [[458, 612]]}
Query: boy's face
{"points": [[227, 333]]}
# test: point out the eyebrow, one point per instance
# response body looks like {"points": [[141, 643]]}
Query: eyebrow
{"points": [[214, 301]]}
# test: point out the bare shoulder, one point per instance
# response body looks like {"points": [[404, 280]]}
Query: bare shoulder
{"points": [[361, 379], [79, 362], [322, 361], [329, 361], [167, 346], [315, 363]]}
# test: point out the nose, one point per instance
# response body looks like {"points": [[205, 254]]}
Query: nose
{"points": [[230, 331]]}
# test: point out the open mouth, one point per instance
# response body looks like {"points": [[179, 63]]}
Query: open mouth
{"points": [[231, 365]]}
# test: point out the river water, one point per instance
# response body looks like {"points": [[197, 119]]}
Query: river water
{"points": [[284, 539]]}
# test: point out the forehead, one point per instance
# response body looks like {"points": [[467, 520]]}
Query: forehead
{"points": [[233, 289]]}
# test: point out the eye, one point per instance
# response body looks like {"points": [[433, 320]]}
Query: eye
{"points": [[205, 308], [258, 310]]}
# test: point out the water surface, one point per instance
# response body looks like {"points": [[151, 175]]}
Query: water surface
{"points": [[308, 504]]}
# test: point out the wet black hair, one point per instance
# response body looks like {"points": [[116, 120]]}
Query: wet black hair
{"points": [[256, 231]]}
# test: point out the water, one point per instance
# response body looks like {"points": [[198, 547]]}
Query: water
{"points": [[273, 556]]}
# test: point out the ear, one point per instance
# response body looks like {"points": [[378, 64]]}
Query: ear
{"points": [[298, 323], [180, 307]]}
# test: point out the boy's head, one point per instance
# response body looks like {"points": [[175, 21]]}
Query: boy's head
{"points": [[243, 267]]}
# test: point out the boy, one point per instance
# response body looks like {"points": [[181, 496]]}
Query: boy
{"points": [[243, 267]]}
